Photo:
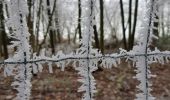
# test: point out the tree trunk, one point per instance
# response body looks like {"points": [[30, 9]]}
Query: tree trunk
{"points": [[51, 34], [101, 26], [130, 23], [2, 32], [50, 15], [0, 41], [79, 18], [75, 35], [96, 37], [68, 36], [134, 25], [30, 25], [38, 24], [123, 24], [162, 23], [168, 22], [155, 27], [59, 37]]}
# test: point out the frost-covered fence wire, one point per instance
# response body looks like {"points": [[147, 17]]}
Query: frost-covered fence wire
{"points": [[21, 64], [129, 55]]}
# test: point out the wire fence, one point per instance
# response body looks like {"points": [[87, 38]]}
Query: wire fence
{"points": [[164, 54], [87, 57]]}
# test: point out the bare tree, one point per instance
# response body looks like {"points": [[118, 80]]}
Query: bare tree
{"points": [[96, 36], [131, 42], [162, 23], [51, 33], [79, 18], [30, 24], [155, 25], [3, 41], [130, 23], [38, 23], [168, 21], [123, 24], [101, 26], [57, 25], [50, 17]]}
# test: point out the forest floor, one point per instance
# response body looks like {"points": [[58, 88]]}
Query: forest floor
{"points": [[116, 83]]}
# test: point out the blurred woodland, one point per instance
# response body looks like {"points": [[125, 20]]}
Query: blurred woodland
{"points": [[57, 25]]}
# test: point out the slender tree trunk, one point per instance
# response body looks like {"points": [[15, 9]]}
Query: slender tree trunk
{"points": [[168, 22], [79, 18], [4, 39], [162, 23], [130, 24], [1, 29], [96, 37], [68, 36], [52, 42], [155, 29], [101, 26], [97, 45], [30, 25], [38, 24], [134, 24], [57, 22], [123, 24], [75, 35], [156, 25], [0, 41], [59, 37], [51, 34], [2, 32]]}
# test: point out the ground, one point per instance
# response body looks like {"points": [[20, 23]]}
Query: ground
{"points": [[112, 84]]}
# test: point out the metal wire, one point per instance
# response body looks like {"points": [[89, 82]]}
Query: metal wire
{"points": [[126, 55]]}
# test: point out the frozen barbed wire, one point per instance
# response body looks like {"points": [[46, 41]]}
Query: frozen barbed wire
{"points": [[18, 11], [146, 35], [74, 57], [86, 56]]}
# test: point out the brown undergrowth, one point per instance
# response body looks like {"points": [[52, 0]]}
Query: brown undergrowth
{"points": [[116, 83]]}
